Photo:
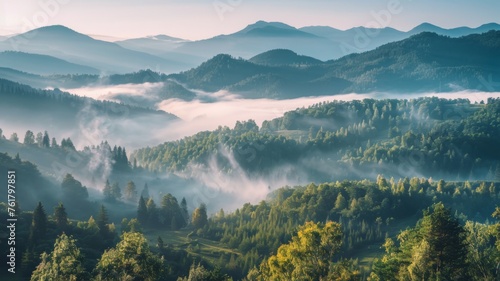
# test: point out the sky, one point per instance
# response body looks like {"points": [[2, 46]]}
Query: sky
{"points": [[200, 19]]}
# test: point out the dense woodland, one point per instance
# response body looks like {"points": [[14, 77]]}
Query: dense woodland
{"points": [[452, 139], [265, 239], [435, 186], [423, 62]]}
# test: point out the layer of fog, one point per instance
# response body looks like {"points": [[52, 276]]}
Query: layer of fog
{"points": [[209, 184], [226, 108]]}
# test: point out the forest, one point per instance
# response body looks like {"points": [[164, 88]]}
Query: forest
{"points": [[389, 189]]}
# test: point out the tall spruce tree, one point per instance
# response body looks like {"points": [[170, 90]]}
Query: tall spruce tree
{"points": [[142, 211], [38, 224]]}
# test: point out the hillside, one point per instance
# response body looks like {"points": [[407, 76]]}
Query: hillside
{"points": [[352, 140], [87, 120], [282, 57], [64, 43], [423, 62], [41, 64]]}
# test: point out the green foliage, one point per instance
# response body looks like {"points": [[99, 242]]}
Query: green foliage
{"points": [[429, 136], [425, 62], [130, 191], [153, 213], [63, 264], [38, 225], [170, 213], [142, 211], [61, 217], [111, 192], [200, 273], [102, 223], [73, 190], [435, 249], [29, 138], [131, 259], [308, 256], [200, 218]]}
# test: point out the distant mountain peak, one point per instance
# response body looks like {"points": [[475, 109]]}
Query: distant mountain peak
{"points": [[163, 37], [55, 30], [426, 27], [264, 24], [492, 25]]}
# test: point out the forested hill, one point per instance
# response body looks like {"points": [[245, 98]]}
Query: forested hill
{"points": [[57, 110], [434, 137], [423, 62]]}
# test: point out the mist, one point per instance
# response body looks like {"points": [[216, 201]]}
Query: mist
{"points": [[225, 108], [202, 184]]}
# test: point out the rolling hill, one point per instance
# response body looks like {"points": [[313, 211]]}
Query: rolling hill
{"points": [[89, 121], [42, 64], [423, 62], [283, 57]]}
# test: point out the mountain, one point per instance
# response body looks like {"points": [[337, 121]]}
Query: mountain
{"points": [[252, 80], [453, 32], [357, 39], [42, 64], [163, 46], [261, 37], [320, 42], [423, 62], [281, 57], [67, 44]]}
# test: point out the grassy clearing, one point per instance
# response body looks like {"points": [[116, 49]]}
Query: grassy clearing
{"points": [[208, 250]]}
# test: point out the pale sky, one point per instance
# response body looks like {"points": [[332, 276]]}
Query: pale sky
{"points": [[199, 19]]}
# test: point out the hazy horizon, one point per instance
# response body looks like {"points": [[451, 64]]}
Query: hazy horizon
{"points": [[174, 18]]}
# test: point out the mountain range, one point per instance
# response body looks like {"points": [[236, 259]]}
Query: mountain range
{"points": [[67, 44], [166, 54], [321, 42], [423, 62]]}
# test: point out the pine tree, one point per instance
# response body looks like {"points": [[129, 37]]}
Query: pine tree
{"points": [[446, 240], [130, 191], [142, 211], [102, 222], [54, 144], [46, 140], [184, 211], [38, 224], [107, 191], [200, 218], [61, 217], [152, 212], [145, 192], [340, 203], [116, 191], [160, 244]]}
